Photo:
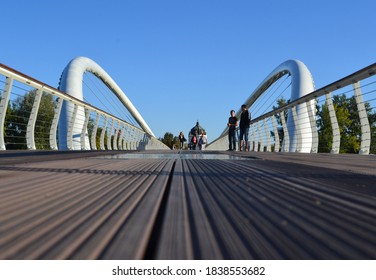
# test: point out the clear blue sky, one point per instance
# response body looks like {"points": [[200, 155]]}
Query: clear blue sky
{"points": [[180, 61]]}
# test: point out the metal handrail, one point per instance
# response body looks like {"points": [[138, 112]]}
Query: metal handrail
{"points": [[13, 74]]}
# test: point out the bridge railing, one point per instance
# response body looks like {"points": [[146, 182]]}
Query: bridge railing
{"points": [[334, 126], [30, 112]]}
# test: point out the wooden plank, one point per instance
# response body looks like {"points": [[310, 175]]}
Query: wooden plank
{"points": [[257, 209], [59, 218]]}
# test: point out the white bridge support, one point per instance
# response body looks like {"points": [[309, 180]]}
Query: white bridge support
{"points": [[70, 125], [71, 122], [365, 144], [301, 85], [301, 131]]}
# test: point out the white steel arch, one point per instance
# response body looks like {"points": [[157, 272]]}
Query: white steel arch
{"points": [[71, 83], [301, 84]]}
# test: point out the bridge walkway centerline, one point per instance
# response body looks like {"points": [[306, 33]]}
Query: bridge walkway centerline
{"points": [[87, 205]]}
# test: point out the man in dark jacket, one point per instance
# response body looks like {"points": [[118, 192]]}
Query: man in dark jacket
{"points": [[245, 120], [232, 124]]}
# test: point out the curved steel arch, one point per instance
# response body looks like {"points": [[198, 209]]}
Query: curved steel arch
{"points": [[301, 84], [71, 83]]}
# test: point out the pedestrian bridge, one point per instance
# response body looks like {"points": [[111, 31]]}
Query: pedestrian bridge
{"points": [[125, 195], [288, 114]]}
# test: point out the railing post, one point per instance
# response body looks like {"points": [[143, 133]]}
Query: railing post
{"points": [[124, 136], [137, 139], [103, 133], [70, 128], [267, 134], [120, 138], [261, 149], [286, 137], [133, 139], [55, 121], [130, 137], [365, 144], [251, 138], [93, 138], [109, 147], [3, 110], [312, 121], [30, 130], [276, 135], [334, 122], [114, 141], [255, 129], [84, 130], [297, 137]]}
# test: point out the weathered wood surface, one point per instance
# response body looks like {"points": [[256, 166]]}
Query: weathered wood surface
{"points": [[270, 206]]}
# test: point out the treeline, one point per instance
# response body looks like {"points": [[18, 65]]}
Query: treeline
{"points": [[349, 125], [17, 117], [348, 122], [170, 140]]}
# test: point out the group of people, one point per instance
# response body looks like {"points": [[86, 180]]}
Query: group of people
{"points": [[199, 142], [245, 121]]}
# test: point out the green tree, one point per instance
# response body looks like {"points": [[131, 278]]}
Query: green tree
{"points": [[17, 118], [324, 130], [15, 124], [355, 127], [168, 139]]}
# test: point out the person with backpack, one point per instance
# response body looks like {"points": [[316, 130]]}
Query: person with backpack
{"points": [[245, 121]]}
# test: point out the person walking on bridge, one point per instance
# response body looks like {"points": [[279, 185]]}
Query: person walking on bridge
{"points": [[245, 121], [182, 140], [232, 124], [203, 140]]}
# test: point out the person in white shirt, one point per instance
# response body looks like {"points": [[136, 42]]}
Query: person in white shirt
{"points": [[203, 141]]}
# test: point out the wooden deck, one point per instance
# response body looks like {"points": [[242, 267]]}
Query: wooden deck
{"points": [[89, 205]]}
